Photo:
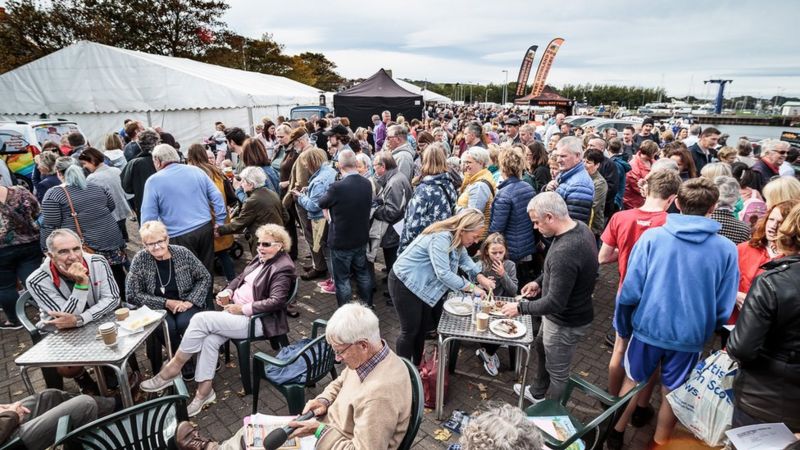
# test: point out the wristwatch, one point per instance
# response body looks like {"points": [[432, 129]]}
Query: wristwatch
{"points": [[78, 320]]}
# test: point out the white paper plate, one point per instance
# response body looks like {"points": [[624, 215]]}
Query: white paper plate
{"points": [[497, 327], [458, 307]]}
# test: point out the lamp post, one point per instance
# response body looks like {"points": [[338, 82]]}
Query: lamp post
{"points": [[505, 87]]}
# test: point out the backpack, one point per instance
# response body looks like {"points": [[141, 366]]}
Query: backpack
{"points": [[753, 209]]}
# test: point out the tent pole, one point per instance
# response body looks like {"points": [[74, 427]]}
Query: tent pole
{"points": [[250, 117], [149, 120]]}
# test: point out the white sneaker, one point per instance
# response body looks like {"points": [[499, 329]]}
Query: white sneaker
{"points": [[197, 404], [528, 396], [490, 363]]}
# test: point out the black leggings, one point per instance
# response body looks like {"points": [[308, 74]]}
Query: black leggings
{"points": [[416, 318]]}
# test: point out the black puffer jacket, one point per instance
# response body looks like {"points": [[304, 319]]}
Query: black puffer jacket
{"points": [[766, 342]]}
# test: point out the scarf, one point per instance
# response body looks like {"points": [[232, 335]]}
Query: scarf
{"points": [[469, 179]]}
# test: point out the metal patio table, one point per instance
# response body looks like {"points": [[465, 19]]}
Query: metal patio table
{"points": [[82, 347], [460, 328]]}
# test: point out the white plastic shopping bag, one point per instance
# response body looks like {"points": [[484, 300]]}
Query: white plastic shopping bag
{"points": [[704, 404]]}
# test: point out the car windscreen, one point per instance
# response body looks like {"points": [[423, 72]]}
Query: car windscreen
{"points": [[53, 131]]}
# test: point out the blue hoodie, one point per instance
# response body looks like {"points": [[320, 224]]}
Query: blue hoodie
{"points": [[680, 286]]}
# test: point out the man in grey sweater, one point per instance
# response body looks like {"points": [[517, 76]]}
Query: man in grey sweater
{"points": [[566, 286]]}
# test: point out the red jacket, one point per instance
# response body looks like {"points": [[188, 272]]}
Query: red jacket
{"points": [[633, 197]]}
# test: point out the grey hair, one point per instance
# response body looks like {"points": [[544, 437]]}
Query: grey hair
{"points": [[364, 159], [48, 159], [773, 145], [60, 232], [714, 170], [728, 190], [549, 203], [253, 175], [572, 144], [398, 130], [454, 162], [347, 159], [165, 153], [501, 427], [148, 139], [479, 154], [664, 164], [72, 172], [351, 323], [695, 130], [153, 228]]}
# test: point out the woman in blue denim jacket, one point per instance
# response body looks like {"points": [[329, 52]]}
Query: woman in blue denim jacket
{"points": [[427, 269]]}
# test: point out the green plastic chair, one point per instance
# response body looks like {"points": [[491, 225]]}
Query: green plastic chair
{"points": [[319, 360], [148, 426], [417, 406], [591, 433], [243, 345]]}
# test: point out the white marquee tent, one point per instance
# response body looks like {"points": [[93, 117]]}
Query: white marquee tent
{"points": [[427, 95], [100, 86]]}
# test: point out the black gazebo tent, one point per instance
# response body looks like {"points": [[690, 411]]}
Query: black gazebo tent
{"points": [[374, 95]]}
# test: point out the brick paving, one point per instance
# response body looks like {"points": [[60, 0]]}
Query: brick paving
{"points": [[223, 419]]}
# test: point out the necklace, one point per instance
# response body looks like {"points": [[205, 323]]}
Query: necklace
{"points": [[164, 285]]}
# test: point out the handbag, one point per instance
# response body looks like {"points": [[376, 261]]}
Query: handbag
{"points": [[428, 370], [85, 246]]}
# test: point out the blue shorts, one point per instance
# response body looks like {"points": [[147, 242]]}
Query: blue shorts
{"points": [[641, 360]]}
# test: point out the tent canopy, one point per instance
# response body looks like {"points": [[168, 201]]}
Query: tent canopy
{"points": [[427, 95], [98, 86], [374, 95]]}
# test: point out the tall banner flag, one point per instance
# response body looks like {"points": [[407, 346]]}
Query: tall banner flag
{"points": [[525, 70], [544, 66]]}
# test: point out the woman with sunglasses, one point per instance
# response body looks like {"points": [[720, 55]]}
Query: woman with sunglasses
{"points": [[263, 287], [168, 277]]}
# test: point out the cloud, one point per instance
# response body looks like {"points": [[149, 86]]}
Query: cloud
{"points": [[676, 46]]}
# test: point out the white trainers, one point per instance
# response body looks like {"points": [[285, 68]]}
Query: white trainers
{"points": [[528, 396], [156, 384], [490, 363], [197, 404]]}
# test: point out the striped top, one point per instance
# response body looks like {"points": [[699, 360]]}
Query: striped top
{"points": [[93, 206]]}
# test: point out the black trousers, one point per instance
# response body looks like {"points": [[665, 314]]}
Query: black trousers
{"points": [[416, 318], [201, 243]]}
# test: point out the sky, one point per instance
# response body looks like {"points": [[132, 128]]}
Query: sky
{"points": [[675, 45]]}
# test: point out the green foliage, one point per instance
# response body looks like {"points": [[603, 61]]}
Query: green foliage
{"points": [[630, 96], [31, 29]]}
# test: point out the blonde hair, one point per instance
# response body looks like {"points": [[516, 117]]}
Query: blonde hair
{"points": [[434, 160], [153, 228], [512, 162], [726, 152], [780, 190], [789, 233], [276, 232], [470, 219], [714, 170], [113, 142]]}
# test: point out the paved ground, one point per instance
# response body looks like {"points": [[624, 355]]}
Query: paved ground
{"points": [[223, 419]]}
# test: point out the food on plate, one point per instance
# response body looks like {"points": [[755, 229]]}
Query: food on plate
{"points": [[507, 326], [497, 308]]}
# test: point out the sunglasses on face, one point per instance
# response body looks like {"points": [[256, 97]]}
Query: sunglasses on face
{"points": [[268, 244]]}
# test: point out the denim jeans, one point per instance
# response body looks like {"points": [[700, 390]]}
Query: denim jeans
{"points": [[555, 345], [345, 262], [17, 262]]}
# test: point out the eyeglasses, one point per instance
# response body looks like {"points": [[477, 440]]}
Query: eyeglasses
{"points": [[341, 352], [267, 244], [782, 152], [156, 244]]}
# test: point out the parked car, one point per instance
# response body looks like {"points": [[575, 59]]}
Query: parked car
{"points": [[305, 112], [578, 121], [21, 141], [602, 124]]}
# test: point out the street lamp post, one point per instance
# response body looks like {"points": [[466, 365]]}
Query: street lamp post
{"points": [[505, 87]]}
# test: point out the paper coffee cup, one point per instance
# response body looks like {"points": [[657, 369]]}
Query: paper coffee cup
{"points": [[108, 331], [224, 297], [122, 314], [482, 321]]}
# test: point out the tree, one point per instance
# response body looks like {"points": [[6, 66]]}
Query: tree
{"points": [[30, 29], [316, 70]]}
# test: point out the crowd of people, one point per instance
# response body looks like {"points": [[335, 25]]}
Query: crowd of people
{"points": [[473, 200]]}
